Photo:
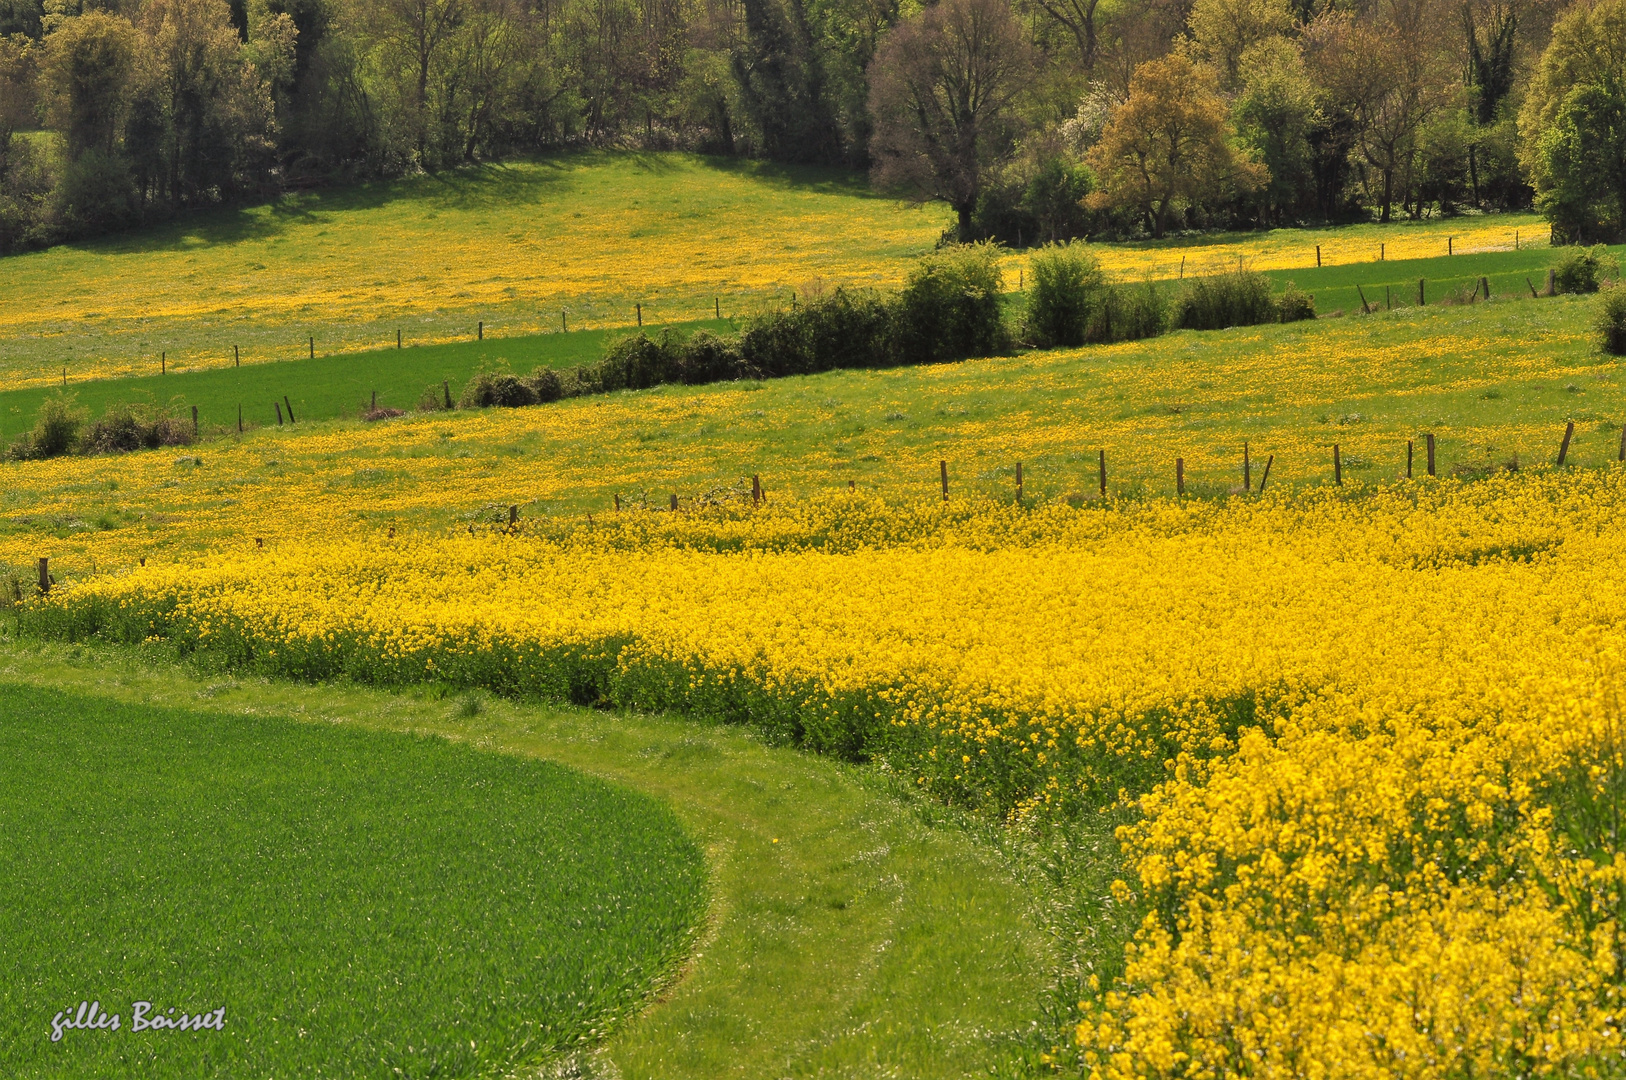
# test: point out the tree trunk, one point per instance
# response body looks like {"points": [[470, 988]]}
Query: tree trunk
{"points": [[964, 210], [1388, 194]]}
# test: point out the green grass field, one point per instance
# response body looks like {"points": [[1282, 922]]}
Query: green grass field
{"points": [[321, 387], [358, 903]]}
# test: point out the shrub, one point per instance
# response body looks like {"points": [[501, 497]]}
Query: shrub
{"points": [[56, 429], [1236, 298], [1610, 321], [840, 330], [495, 388], [637, 362], [124, 428], [708, 358], [1583, 269], [546, 385], [1295, 305], [1067, 291], [951, 307], [1130, 312]]}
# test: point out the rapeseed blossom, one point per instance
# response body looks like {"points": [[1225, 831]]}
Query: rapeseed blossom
{"points": [[1373, 744]]}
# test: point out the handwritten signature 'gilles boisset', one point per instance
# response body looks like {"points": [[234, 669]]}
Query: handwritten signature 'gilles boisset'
{"points": [[89, 1017]]}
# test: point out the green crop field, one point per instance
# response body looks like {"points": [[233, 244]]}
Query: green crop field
{"points": [[320, 387], [356, 903]]}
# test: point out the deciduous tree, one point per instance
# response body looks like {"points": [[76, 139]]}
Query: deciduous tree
{"points": [[942, 89], [1169, 146]]}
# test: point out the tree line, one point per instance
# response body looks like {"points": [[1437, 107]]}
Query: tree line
{"points": [[1035, 120]]}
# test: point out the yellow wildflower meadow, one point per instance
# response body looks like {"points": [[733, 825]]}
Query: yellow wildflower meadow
{"points": [[1373, 741]]}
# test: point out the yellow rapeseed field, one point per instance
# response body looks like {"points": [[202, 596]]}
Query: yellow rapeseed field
{"points": [[1373, 741]]}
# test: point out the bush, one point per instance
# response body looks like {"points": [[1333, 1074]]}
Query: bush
{"points": [[1610, 321], [1067, 294], [1236, 298], [841, 330], [951, 307], [124, 428], [56, 429], [708, 358], [637, 362], [546, 385], [495, 388], [1131, 312], [1584, 269], [1294, 305]]}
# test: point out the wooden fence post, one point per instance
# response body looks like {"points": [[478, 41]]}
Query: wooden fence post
{"points": [[1448, 245], [618, 501], [1552, 282], [1318, 255], [1564, 447], [756, 489], [640, 308], [564, 323], [717, 306], [239, 418], [1179, 476], [1533, 294], [1430, 438], [1422, 299], [852, 485], [1265, 476], [1381, 252], [277, 405], [1484, 286], [236, 357], [446, 388], [674, 501], [375, 401], [480, 330], [1622, 444], [163, 363], [45, 576], [313, 346], [1103, 474], [1408, 459], [1019, 483], [1247, 469], [1337, 467], [942, 472], [194, 421], [397, 337], [1366, 309], [290, 407], [513, 517]]}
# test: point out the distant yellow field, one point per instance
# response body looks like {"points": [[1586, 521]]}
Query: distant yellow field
{"points": [[531, 247]]}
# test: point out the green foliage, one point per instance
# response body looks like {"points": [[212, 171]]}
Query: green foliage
{"points": [[1066, 295], [951, 307], [124, 428], [1132, 312], [315, 864], [1295, 305], [1610, 321], [55, 432], [1235, 298], [842, 329], [490, 388], [1584, 269]]}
